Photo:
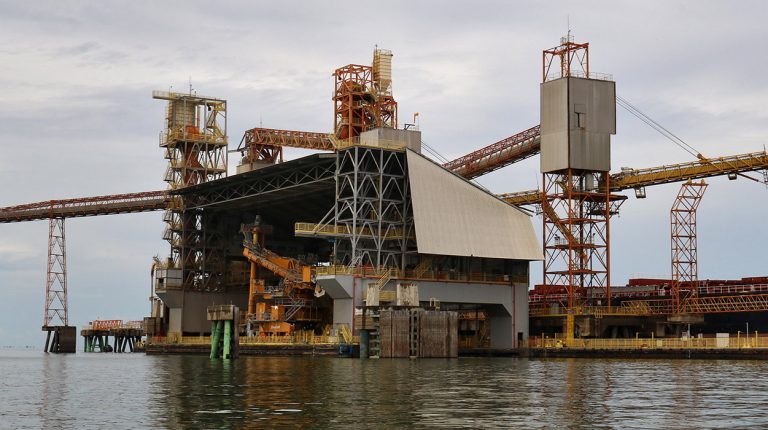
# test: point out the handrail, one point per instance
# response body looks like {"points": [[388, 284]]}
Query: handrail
{"points": [[739, 341], [428, 275]]}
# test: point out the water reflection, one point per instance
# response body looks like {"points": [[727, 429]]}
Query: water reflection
{"points": [[466, 393], [136, 391]]}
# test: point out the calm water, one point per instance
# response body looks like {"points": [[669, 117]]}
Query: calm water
{"points": [[137, 391]]}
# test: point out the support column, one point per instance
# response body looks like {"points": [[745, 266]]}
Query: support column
{"points": [[227, 353], [225, 335], [215, 338]]}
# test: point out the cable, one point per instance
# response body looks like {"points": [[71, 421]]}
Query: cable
{"points": [[629, 107], [434, 153], [658, 127]]}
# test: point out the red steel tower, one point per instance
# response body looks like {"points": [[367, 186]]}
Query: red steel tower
{"points": [[362, 97], [578, 116]]}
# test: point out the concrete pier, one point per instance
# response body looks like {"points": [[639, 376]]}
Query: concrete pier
{"points": [[61, 339]]}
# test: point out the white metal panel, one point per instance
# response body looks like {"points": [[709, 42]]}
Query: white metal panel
{"points": [[454, 217], [577, 118]]}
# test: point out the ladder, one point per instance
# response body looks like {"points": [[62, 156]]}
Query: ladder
{"points": [[414, 333], [374, 337]]}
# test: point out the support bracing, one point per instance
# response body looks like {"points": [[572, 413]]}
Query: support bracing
{"points": [[576, 234], [56, 311], [372, 205], [195, 143], [685, 271]]}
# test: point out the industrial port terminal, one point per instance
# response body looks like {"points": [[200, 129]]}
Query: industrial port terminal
{"points": [[369, 245]]}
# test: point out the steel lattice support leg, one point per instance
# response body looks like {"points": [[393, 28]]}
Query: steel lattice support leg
{"points": [[685, 274], [56, 312], [576, 210]]}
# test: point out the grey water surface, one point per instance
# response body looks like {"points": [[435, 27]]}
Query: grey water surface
{"points": [[137, 391]]}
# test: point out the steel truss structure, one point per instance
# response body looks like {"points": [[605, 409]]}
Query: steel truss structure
{"points": [[577, 204], [86, 206], [515, 148], [373, 204], [210, 259], [685, 273], [56, 281], [639, 178], [573, 59], [195, 143], [362, 97], [298, 173], [265, 145], [576, 233]]}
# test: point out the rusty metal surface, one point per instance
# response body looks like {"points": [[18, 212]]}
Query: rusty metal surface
{"points": [[495, 156], [86, 206]]}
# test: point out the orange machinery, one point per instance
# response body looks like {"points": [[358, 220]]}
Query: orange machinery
{"points": [[275, 309]]}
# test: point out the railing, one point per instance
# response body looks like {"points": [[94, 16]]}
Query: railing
{"points": [[379, 143], [346, 334], [581, 74], [184, 135], [638, 307], [731, 289], [739, 341], [429, 275], [383, 280], [423, 266], [312, 229], [296, 339], [167, 95], [115, 325], [596, 293], [693, 305]]}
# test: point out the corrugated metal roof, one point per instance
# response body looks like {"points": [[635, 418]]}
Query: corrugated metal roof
{"points": [[455, 217]]}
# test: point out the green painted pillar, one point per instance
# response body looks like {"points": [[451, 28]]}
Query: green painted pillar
{"points": [[227, 339], [215, 338]]}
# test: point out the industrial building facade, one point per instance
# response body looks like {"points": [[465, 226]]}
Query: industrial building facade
{"points": [[374, 220]]}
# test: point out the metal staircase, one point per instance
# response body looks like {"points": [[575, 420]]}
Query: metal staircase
{"points": [[422, 267]]}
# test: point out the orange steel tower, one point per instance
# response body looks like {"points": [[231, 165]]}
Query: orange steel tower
{"points": [[578, 115], [362, 97], [685, 271]]}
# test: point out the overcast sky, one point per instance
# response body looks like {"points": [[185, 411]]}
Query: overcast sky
{"points": [[77, 117]]}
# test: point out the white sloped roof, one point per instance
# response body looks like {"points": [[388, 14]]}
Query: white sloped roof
{"points": [[454, 217]]}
